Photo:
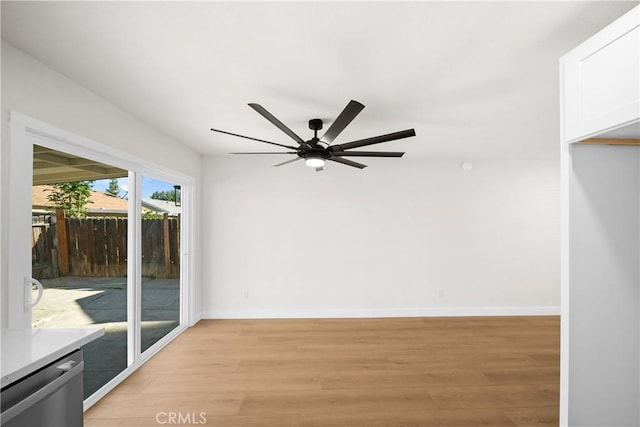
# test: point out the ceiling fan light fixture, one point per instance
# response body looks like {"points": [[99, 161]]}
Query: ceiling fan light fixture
{"points": [[314, 162]]}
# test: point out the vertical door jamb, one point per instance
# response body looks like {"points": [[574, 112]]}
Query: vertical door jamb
{"points": [[17, 225]]}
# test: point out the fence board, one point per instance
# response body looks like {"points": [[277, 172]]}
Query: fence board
{"points": [[43, 257], [174, 244], [61, 240], [90, 248], [72, 239], [123, 227], [100, 236], [111, 229]]}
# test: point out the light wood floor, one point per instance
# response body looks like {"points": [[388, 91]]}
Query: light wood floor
{"points": [[464, 371]]}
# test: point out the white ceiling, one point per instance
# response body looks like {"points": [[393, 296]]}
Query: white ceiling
{"points": [[475, 80]]}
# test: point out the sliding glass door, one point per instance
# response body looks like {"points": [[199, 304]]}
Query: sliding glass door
{"points": [[160, 267], [79, 242], [105, 234]]}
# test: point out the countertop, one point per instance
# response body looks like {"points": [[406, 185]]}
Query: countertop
{"points": [[27, 350]]}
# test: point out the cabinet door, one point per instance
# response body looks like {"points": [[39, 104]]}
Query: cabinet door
{"points": [[601, 80]]}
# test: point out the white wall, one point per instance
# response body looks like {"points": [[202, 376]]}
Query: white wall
{"points": [[30, 87], [381, 241]]}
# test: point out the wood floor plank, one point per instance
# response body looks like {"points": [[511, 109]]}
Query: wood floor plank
{"points": [[492, 396], [406, 377], [534, 417], [233, 382], [525, 375], [416, 418], [142, 405], [372, 401], [492, 362], [465, 371], [122, 422], [281, 420], [295, 364]]}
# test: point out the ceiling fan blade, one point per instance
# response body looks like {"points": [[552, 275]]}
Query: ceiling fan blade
{"points": [[368, 154], [288, 161], [267, 115], [349, 113], [374, 140], [347, 162], [271, 152], [254, 139]]}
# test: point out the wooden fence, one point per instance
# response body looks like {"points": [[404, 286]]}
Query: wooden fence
{"points": [[97, 247]]}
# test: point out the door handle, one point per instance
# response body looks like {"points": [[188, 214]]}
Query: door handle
{"points": [[29, 282]]}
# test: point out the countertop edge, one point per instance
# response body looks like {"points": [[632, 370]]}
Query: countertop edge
{"points": [[57, 353]]}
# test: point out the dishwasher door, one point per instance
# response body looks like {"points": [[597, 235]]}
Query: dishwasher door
{"points": [[49, 397]]}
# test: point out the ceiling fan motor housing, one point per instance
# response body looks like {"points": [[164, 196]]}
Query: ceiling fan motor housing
{"points": [[316, 153]]}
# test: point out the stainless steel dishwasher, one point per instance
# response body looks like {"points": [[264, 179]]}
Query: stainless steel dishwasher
{"points": [[50, 397]]}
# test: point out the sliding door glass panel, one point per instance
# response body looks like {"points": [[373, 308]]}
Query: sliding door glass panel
{"points": [[160, 246], [79, 253]]}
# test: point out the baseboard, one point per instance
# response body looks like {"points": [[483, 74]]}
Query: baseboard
{"points": [[380, 312], [195, 319]]}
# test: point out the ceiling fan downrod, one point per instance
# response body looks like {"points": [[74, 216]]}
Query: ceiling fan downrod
{"points": [[315, 125]]}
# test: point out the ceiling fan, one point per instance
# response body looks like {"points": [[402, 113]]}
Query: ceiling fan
{"points": [[318, 150]]}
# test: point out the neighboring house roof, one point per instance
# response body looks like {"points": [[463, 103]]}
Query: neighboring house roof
{"points": [[99, 202], [161, 206]]}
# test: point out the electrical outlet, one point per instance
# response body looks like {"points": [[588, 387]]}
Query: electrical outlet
{"points": [[245, 294], [440, 293]]}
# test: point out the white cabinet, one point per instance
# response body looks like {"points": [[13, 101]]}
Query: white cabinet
{"points": [[601, 81], [600, 266]]}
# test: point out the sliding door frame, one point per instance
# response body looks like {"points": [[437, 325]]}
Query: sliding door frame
{"points": [[25, 132]]}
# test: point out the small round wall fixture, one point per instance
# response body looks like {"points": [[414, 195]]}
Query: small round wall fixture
{"points": [[466, 166]]}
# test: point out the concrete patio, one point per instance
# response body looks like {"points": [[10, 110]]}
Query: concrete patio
{"points": [[102, 301]]}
